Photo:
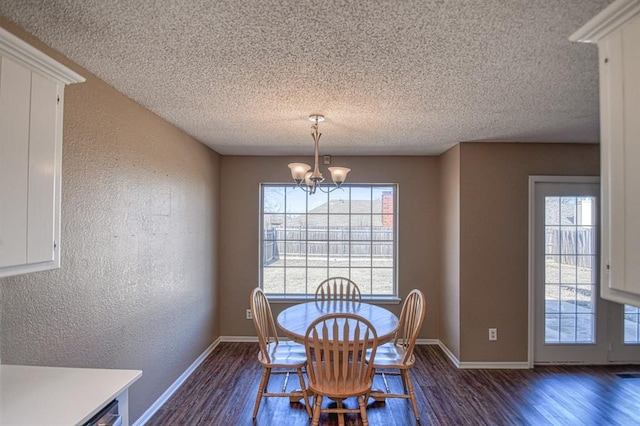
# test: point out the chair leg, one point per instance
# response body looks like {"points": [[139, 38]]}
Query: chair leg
{"points": [[305, 394], [362, 401], [263, 383], [340, 414], [404, 380], [412, 395], [316, 410]]}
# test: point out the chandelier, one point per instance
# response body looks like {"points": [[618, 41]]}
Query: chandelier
{"points": [[308, 181]]}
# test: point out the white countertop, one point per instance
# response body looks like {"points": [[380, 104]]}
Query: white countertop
{"points": [[58, 396]]}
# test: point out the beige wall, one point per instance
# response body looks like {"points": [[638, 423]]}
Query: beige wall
{"points": [[418, 233], [450, 291], [137, 287], [494, 239]]}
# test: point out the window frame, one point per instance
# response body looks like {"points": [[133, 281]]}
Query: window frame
{"points": [[392, 298]]}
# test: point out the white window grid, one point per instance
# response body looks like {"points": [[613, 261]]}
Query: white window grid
{"points": [[321, 236]]}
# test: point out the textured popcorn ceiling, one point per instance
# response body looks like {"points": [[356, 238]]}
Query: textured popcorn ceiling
{"points": [[393, 77]]}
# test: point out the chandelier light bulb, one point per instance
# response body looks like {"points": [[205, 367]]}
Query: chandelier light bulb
{"points": [[299, 170]]}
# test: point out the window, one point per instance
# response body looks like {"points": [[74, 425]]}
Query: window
{"points": [[305, 239], [570, 274], [631, 325]]}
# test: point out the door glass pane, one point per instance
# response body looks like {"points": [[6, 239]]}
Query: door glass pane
{"points": [[567, 210], [552, 209], [631, 325], [585, 210], [584, 328], [552, 269], [586, 271], [568, 299], [552, 239], [552, 328], [552, 301], [567, 328], [569, 270]]}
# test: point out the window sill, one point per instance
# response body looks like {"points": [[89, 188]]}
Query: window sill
{"points": [[380, 300]]}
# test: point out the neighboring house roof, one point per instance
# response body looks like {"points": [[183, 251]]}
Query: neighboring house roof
{"points": [[357, 213]]}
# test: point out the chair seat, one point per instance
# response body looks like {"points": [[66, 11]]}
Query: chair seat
{"points": [[390, 355], [284, 354]]}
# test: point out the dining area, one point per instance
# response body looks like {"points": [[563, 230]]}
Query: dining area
{"points": [[336, 345]]}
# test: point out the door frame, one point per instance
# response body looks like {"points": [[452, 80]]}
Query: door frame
{"points": [[533, 180]]}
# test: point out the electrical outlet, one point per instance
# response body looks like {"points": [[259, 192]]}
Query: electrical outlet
{"points": [[249, 314], [493, 334], [327, 159]]}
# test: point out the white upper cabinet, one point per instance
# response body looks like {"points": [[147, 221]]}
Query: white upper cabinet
{"points": [[616, 30], [31, 100]]}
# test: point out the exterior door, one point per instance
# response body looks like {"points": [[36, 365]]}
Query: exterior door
{"points": [[572, 324], [570, 320]]}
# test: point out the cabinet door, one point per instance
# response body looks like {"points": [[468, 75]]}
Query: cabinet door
{"points": [[28, 165], [42, 165], [15, 89], [620, 105]]}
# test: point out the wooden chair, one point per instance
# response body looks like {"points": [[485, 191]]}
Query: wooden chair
{"points": [[398, 354], [336, 346], [275, 354], [338, 288]]}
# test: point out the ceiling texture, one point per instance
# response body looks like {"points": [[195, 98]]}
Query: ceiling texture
{"points": [[397, 77]]}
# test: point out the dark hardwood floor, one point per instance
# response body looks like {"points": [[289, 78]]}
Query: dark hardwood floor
{"points": [[222, 392]]}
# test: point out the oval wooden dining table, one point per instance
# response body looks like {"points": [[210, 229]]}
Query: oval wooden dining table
{"points": [[295, 320]]}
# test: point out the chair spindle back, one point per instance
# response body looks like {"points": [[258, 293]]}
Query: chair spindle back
{"points": [[411, 319], [263, 321], [336, 346], [338, 288]]}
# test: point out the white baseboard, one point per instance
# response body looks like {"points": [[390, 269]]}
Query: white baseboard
{"points": [[449, 354], [243, 339], [550, 363], [462, 365], [254, 339], [427, 342], [494, 365], [175, 385]]}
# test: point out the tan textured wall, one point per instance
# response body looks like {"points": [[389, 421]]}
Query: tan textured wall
{"points": [[419, 228], [138, 286], [494, 203], [450, 291]]}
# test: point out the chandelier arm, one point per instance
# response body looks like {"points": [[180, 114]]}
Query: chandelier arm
{"points": [[330, 189], [309, 189], [302, 185]]}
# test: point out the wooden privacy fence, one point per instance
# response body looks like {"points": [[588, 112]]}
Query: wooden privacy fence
{"points": [[323, 241], [574, 246]]}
